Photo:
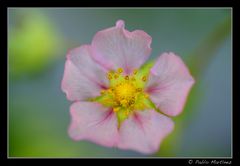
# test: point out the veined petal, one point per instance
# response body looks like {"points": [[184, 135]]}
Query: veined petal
{"points": [[91, 121], [83, 77], [144, 131], [169, 84], [116, 47]]}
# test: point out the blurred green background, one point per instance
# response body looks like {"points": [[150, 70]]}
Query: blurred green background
{"points": [[39, 38]]}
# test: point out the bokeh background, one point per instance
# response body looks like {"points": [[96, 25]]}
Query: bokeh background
{"points": [[38, 111]]}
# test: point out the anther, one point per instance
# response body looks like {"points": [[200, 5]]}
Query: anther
{"points": [[126, 77], [131, 102], [144, 78], [135, 71], [109, 76], [119, 70]]}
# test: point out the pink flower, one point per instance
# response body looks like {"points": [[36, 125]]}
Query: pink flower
{"points": [[118, 101]]}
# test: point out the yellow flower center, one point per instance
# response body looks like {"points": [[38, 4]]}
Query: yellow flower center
{"points": [[125, 93]]}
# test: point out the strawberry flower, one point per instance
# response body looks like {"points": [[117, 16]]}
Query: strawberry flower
{"points": [[118, 100]]}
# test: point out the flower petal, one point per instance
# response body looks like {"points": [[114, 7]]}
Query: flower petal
{"points": [[144, 131], [117, 47], [169, 84], [91, 121], [83, 77]]}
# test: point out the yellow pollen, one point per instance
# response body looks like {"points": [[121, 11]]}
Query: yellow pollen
{"points": [[135, 71], [126, 77], [125, 92], [120, 70], [144, 78], [131, 102], [109, 76]]}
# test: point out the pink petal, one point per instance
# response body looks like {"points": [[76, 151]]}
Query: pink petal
{"points": [[169, 84], [83, 77], [117, 47], [144, 131], [91, 121]]}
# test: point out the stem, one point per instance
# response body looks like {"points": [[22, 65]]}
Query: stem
{"points": [[204, 53]]}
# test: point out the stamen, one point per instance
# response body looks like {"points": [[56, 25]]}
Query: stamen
{"points": [[109, 76], [144, 78], [120, 70], [116, 76], [131, 102], [125, 92]]}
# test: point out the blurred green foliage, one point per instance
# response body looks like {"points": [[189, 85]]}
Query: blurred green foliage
{"points": [[201, 56], [33, 43]]}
